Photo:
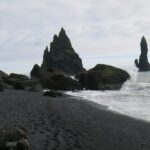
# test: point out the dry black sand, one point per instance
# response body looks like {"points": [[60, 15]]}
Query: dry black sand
{"points": [[70, 124]]}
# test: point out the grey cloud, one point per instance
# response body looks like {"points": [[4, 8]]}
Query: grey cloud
{"points": [[95, 27]]}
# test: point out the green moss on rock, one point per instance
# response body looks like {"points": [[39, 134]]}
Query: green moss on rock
{"points": [[103, 77]]}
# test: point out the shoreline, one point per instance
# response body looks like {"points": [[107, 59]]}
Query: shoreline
{"points": [[69, 123], [105, 108]]}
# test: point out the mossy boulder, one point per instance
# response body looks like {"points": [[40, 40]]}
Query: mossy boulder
{"points": [[103, 77]]}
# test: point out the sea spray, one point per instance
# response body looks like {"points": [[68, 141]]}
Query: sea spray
{"points": [[133, 99]]}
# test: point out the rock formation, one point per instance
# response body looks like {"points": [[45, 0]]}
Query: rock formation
{"points": [[103, 77], [143, 64], [19, 82], [62, 56], [53, 80], [35, 72]]}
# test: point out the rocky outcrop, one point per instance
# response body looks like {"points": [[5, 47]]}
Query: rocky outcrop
{"points": [[20, 82], [14, 76], [103, 77], [35, 72], [15, 80], [143, 64], [3, 74], [53, 80], [62, 56]]}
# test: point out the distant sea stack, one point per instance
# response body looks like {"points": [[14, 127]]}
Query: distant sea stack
{"points": [[62, 56], [142, 64]]}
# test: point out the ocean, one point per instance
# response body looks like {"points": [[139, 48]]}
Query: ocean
{"points": [[133, 99]]}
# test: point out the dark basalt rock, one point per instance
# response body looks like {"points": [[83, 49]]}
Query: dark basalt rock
{"points": [[15, 139], [62, 56], [53, 94], [66, 83], [18, 85], [103, 77], [15, 76], [143, 64], [21, 82], [35, 72], [46, 76], [3, 74], [15, 80], [54, 80]]}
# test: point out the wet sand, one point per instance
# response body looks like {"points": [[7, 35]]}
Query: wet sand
{"points": [[67, 123]]}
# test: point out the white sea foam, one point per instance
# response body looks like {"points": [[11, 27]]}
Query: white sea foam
{"points": [[133, 99]]}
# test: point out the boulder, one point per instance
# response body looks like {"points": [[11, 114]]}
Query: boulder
{"points": [[13, 139], [143, 64], [21, 82], [52, 94], [66, 83], [15, 76], [33, 85], [103, 77], [15, 81], [62, 56], [46, 78], [56, 80]]}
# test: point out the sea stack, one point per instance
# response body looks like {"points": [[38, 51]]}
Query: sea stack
{"points": [[62, 56], [143, 64]]}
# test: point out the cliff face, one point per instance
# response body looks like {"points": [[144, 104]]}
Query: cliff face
{"points": [[61, 55], [143, 64]]}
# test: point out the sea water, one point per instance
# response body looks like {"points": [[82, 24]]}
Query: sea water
{"points": [[133, 99]]}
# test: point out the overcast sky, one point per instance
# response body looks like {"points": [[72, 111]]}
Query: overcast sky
{"points": [[101, 31]]}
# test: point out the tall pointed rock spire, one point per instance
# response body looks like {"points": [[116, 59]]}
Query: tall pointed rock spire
{"points": [[143, 64]]}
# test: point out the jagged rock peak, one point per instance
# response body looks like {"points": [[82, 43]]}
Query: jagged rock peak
{"points": [[144, 47], [61, 42], [62, 31], [62, 55]]}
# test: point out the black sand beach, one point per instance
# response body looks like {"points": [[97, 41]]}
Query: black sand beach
{"points": [[69, 124]]}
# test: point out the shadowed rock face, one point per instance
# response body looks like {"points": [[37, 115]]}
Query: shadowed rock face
{"points": [[35, 72], [143, 64], [62, 56]]}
